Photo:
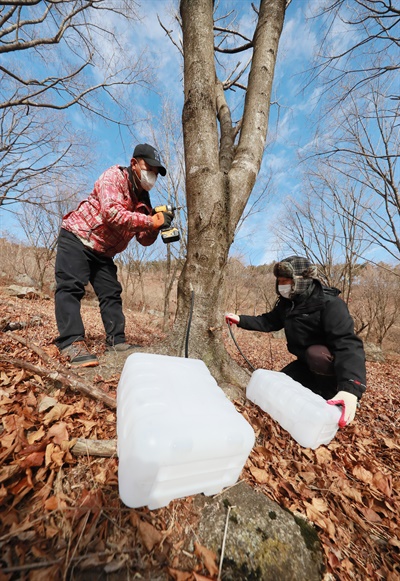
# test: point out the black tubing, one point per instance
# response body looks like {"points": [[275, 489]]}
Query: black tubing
{"points": [[189, 324], [238, 348]]}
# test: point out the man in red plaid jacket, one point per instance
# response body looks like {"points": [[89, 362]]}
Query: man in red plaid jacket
{"points": [[117, 210]]}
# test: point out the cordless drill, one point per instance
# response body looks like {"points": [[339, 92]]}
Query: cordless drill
{"points": [[169, 233]]}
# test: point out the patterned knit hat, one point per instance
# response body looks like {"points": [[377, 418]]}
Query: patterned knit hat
{"points": [[299, 269]]}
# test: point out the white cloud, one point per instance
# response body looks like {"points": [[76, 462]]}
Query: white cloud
{"points": [[298, 40], [256, 240], [166, 61], [340, 37]]}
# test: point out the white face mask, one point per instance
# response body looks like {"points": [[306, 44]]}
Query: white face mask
{"points": [[285, 290], [148, 179]]}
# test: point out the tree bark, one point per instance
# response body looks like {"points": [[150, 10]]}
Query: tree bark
{"points": [[219, 174]]}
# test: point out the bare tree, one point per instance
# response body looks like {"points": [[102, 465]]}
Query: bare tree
{"points": [[36, 150], [167, 136], [222, 160], [376, 302], [368, 49], [367, 151], [265, 284], [41, 225], [133, 266], [316, 226], [34, 28], [358, 136], [54, 56], [237, 285]]}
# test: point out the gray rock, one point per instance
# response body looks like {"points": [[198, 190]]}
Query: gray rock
{"points": [[263, 540], [22, 291], [234, 392], [24, 279], [373, 352], [8, 325], [25, 292], [279, 334], [155, 313]]}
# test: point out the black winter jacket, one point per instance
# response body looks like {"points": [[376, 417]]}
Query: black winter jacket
{"points": [[319, 319]]}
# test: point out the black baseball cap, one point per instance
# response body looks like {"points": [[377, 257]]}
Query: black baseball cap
{"points": [[150, 156]]}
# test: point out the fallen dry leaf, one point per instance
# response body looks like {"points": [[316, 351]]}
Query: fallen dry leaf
{"points": [[323, 455], [349, 490], [56, 413], [362, 474], [391, 444], [383, 483], [51, 503], [371, 515], [7, 472], [260, 474], [149, 534], [180, 575], [34, 459], [58, 433], [35, 436], [320, 504], [46, 403], [199, 577], [208, 557]]}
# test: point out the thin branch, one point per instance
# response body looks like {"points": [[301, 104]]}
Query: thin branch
{"points": [[228, 83], [86, 447], [233, 33], [57, 372], [224, 542], [68, 380], [169, 34], [234, 50]]}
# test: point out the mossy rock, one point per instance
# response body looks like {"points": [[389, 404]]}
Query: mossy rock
{"points": [[373, 352], [263, 542]]}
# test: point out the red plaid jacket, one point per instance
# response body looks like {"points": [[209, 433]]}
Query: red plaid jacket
{"points": [[112, 215]]}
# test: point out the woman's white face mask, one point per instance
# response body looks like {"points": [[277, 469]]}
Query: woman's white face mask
{"points": [[285, 290], [147, 179]]}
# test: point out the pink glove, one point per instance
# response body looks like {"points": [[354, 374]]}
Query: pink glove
{"points": [[348, 401], [232, 319]]}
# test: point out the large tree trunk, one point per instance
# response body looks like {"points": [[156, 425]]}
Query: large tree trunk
{"points": [[220, 175]]}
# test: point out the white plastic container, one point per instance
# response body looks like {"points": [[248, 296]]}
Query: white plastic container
{"points": [[178, 434], [305, 415]]}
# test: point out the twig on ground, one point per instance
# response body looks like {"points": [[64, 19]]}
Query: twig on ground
{"points": [[104, 448], [68, 380], [223, 543], [42, 354]]}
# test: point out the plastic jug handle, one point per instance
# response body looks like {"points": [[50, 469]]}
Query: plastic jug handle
{"points": [[342, 422]]}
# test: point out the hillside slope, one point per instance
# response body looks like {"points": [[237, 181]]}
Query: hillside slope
{"points": [[60, 514]]}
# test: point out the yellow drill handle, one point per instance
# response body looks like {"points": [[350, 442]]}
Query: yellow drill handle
{"points": [[164, 208]]}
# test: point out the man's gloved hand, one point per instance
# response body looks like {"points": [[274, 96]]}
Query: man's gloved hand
{"points": [[349, 403], [232, 319], [162, 219]]}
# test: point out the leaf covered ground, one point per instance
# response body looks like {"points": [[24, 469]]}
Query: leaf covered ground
{"points": [[61, 516]]}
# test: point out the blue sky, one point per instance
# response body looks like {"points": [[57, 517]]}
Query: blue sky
{"points": [[291, 122]]}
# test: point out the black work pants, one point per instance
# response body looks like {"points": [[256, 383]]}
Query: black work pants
{"points": [[76, 266], [317, 372]]}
